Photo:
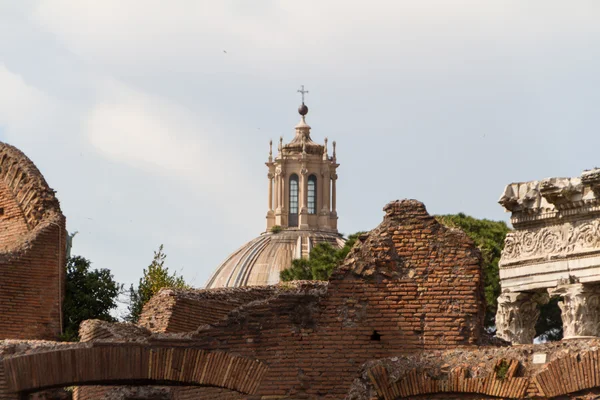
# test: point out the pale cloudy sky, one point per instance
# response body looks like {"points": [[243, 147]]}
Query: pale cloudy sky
{"points": [[151, 133]]}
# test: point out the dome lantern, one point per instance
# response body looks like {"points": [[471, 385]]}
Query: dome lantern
{"points": [[301, 203]]}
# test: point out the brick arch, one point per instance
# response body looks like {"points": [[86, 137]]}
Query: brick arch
{"points": [[569, 374], [416, 384], [123, 364], [27, 186]]}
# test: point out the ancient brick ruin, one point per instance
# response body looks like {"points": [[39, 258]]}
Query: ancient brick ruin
{"points": [[401, 318], [32, 251], [410, 285]]}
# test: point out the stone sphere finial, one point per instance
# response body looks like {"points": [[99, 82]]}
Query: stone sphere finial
{"points": [[303, 110]]}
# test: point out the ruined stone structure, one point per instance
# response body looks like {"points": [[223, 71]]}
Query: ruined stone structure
{"points": [[32, 251], [400, 319], [302, 203], [555, 249], [408, 286]]}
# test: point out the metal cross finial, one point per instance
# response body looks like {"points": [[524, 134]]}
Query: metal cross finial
{"points": [[303, 92]]}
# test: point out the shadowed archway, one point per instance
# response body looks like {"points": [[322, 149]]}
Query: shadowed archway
{"points": [[128, 364]]}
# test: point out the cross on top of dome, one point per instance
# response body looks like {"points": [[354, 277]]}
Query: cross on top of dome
{"points": [[303, 110]]}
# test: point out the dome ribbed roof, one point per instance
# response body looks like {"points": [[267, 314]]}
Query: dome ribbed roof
{"points": [[260, 261]]}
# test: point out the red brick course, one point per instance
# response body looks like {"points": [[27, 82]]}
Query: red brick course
{"points": [[410, 285], [32, 251], [415, 283]]}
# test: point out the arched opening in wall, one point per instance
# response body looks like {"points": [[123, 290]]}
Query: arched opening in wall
{"points": [[129, 364], [549, 326], [137, 393], [453, 396], [312, 194], [51, 394], [294, 193]]}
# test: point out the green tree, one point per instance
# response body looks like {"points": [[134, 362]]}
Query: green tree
{"points": [[489, 238], [154, 278], [89, 294], [323, 259]]}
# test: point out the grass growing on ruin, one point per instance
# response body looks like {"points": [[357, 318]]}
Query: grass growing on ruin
{"points": [[501, 370]]}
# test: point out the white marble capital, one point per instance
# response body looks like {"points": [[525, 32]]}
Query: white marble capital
{"points": [[517, 315], [580, 309]]}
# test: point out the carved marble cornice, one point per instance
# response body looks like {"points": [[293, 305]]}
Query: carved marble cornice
{"points": [[570, 239], [552, 198]]}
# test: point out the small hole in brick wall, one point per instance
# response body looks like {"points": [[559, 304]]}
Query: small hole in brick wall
{"points": [[376, 336], [1, 211]]}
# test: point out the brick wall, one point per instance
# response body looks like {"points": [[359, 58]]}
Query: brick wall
{"points": [[172, 310], [32, 251], [410, 285], [401, 318]]}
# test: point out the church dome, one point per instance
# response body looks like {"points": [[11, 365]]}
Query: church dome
{"points": [[260, 261], [302, 203]]}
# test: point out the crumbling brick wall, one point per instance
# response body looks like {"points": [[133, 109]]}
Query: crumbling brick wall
{"points": [[409, 285], [32, 251], [176, 310]]}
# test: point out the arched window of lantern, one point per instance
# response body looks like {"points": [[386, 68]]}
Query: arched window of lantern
{"points": [[312, 194], [294, 194]]}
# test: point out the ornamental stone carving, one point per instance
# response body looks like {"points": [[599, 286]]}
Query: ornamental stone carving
{"points": [[592, 179], [557, 232], [555, 247], [580, 308], [303, 170], [517, 315], [556, 240]]}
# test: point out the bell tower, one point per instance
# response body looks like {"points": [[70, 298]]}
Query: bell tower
{"points": [[302, 181]]}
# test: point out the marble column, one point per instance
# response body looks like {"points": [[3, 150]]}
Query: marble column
{"points": [[326, 184], [281, 192], [270, 211], [517, 315], [276, 196], [333, 193], [580, 309], [270, 177]]}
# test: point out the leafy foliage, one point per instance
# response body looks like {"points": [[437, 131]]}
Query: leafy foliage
{"points": [[89, 294], [489, 237], [155, 277], [276, 229], [502, 369], [323, 259]]}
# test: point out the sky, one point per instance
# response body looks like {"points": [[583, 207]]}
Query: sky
{"points": [[152, 119]]}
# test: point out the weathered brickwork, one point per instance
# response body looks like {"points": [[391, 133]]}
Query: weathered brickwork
{"points": [[400, 319], [410, 285], [35, 365], [184, 310], [32, 251], [566, 370], [155, 393]]}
